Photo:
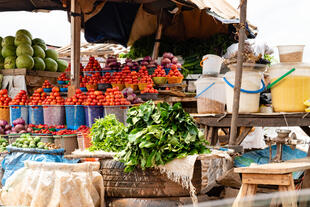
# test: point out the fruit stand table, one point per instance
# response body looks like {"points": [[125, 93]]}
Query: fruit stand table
{"points": [[213, 122]]}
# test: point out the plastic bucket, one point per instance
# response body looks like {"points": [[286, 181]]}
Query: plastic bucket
{"points": [[67, 142], [5, 113], [291, 53], [35, 115], [92, 113], [18, 111], [249, 93], [75, 116], [54, 115], [211, 64], [119, 111]]}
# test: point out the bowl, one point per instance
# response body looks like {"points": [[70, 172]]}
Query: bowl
{"points": [[160, 80]]}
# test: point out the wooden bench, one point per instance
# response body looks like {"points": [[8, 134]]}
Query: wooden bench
{"points": [[270, 174]]}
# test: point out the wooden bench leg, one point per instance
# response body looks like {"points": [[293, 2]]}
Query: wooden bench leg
{"points": [[246, 190], [289, 199]]}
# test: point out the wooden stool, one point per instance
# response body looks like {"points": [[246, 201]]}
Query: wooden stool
{"points": [[270, 174]]}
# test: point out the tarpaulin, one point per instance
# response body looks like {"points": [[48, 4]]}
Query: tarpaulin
{"points": [[262, 157], [16, 157]]}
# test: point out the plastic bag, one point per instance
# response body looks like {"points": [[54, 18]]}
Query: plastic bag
{"points": [[42, 184], [254, 140], [15, 160]]}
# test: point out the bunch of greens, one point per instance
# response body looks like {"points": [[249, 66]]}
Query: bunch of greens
{"points": [[108, 134], [158, 134]]}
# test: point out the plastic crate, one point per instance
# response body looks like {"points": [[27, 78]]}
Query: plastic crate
{"points": [[92, 113], [54, 115], [35, 115]]}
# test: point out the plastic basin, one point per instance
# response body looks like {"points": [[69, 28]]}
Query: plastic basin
{"points": [[47, 90], [35, 115], [75, 116], [160, 80], [54, 115], [18, 111], [291, 53], [92, 113]]}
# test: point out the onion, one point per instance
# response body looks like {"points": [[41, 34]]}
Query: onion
{"points": [[22, 132], [129, 91], [19, 121], [8, 132], [7, 127], [19, 127], [144, 63], [124, 92], [174, 60], [130, 98], [179, 65], [29, 129], [3, 123], [165, 61], [168, 55], [129, 64], [147, 58], [112, 64]]}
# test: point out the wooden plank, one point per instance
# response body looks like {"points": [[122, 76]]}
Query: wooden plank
{"points": [[243, 134], [13, 72], [76, 43], [44, 73], [275, 168], [266, 179]]}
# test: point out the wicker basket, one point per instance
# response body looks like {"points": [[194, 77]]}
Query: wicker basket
{"points": [[68, 142]]}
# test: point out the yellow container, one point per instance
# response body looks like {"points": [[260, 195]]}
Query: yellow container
{"points": [[5, 113], [290, 93]]}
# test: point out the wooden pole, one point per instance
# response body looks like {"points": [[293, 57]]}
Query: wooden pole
{"points": [[238, 73], [158, 36], [75, 46]]}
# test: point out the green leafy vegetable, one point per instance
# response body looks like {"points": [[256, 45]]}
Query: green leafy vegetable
{"points": [[158, 134], [108, 134]]}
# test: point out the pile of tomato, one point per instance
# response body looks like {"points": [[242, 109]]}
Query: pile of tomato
{"points": [[77, 99], [65, 132], [92, 65], [174, 72], [94, 98], [117, 78], [106, 78], [54, 98], [114, 97], [83, 129], [37, 97], [68, 69], [4, 98], [143, 72], [63, 77], [47, 84], [131, 78], [146, 79], [159, 72], [20, 99], [149, 89]]}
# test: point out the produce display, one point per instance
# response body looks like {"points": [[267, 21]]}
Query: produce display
{"points": [[92, 65], [117, 78], [4, 98], [114, 97], [22, 51], [28, 141], [47, 84], [148, 62], [20, 127], [94, 98], [159, 72], [3, 144], [63, 77], [77, 99], [158, 134], [108, 135], [131, 96], [112, 64], [149, 89], [37, 97], [20, 99], [169, 59], [54, 98], [5, 127], [132, 65], [65, 132], [174, 72], [106, 78]]}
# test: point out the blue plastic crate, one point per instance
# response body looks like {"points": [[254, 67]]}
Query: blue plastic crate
{"points": [[75, 116], [36, 115], [18, 111]]}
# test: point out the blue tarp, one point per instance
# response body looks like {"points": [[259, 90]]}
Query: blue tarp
{"points": [[262, 157], [16, 157]]}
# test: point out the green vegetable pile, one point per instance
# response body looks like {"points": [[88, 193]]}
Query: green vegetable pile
{"points": [[3, 144], [108, 135], [158, 134], [27, 141]]}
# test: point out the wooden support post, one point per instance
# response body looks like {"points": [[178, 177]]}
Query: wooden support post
{"points": [[238, 73], [75, 45], [158, 36]]}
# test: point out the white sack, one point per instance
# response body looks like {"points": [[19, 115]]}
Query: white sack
{"points": [[47, 184]]}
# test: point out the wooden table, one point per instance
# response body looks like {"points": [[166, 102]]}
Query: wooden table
{"points": [[212, 123], [270, 174]]}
